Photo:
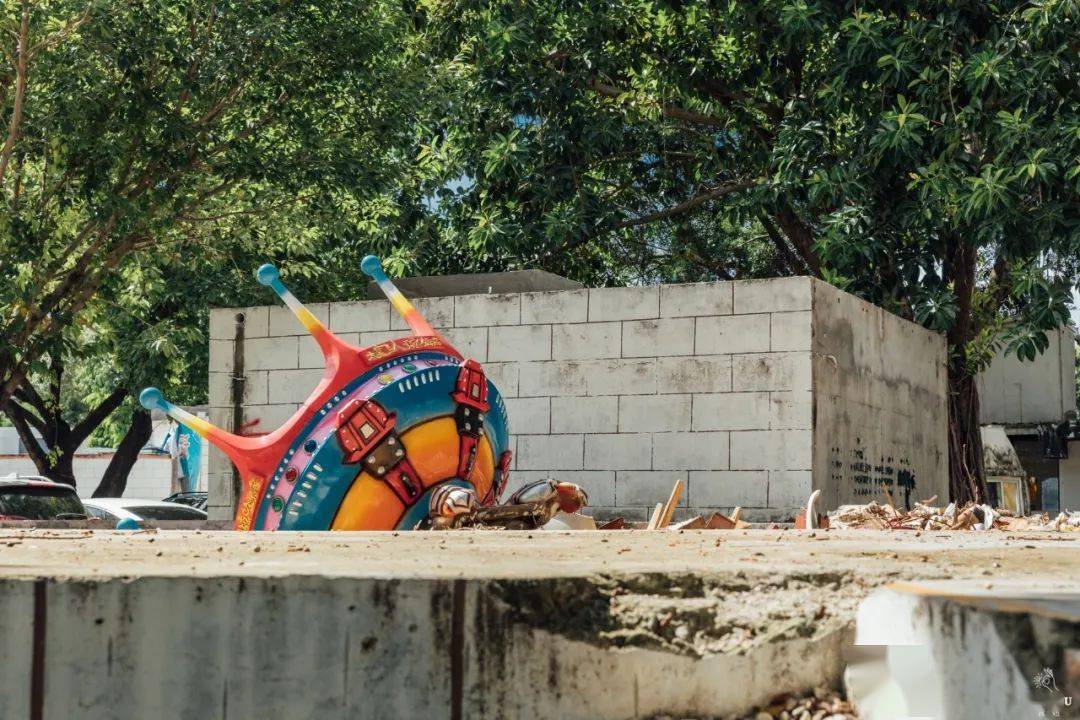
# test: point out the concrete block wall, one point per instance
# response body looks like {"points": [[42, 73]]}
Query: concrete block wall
{"points": [[622, 390]]}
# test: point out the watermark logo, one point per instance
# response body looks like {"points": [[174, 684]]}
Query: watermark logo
{"points": [[1045, 679]]}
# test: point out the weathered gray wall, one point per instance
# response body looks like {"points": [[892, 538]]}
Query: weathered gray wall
{"points": [[620, 389], [879, 402], [1012, 392], [314, 646]]}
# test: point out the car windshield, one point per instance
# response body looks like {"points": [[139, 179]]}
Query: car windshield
{"points": [[40, 502], [163, 512]]}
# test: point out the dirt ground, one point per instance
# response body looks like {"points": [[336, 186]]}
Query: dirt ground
{"points": [[1049, 557]]}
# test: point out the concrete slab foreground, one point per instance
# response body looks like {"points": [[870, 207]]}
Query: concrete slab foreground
{"points": [[460, 624], [957, 649]]}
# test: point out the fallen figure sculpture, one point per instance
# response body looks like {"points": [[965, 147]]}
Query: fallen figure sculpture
{"points": [[394, 434]]}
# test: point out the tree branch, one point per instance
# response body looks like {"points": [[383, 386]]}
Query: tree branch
{"points": [[801, 238], [793, 261], [33, 449], [20, 90], [683, 207], [95, 417]]}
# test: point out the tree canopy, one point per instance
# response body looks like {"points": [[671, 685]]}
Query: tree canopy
{"points": [[152, 154], [925, 156]]}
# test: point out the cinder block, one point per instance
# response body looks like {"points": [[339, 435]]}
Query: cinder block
{"points": [[270, 417], [561, 306], [599, 485], [255, 388], [473, 310], [310, 354], [604, 513], [574, 415], [438, 311], [223, 322], [706, 374], [520, 342], [628, 451], [284, 322], [529, 416], [271, 353], [791, 410], [367, 339], [550, 452], [585, 341], [256, 321], [555, 378], [790, 488], [654, 413], [791, 330], [729, 488], [695, 299], [647, 487], [293, 386], [773, 295], [365, 316], [625, 303], [731, 411], [731, 334], [654, 338], [771, 450], [504, 376], [221, 356], [690, 451], [620, 377], [472, 342], [771, 371]]}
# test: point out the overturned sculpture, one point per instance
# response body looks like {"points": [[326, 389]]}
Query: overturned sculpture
{"points": [[394, 433]]}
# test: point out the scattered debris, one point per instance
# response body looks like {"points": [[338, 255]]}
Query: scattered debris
{"points": [[531, 507], [657, 515], [822, 704], [816, 520], [715, 521], [669, 507], [928, 517], [570, 521]]}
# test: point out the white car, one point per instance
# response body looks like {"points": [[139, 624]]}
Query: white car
{"points": [[113, 510]]}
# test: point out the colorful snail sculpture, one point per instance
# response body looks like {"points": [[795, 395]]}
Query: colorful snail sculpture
{"points": [[393, 435]]}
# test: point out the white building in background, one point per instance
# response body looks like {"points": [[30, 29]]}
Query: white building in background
{"points": [[1021, 396], [152, 476]]}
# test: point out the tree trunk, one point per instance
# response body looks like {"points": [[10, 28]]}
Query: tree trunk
{"points": [[63, 469], [114, 481], [967, 482]]}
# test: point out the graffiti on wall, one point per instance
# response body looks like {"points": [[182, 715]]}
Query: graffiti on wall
{"points": [[385, 438], [872, 477]]}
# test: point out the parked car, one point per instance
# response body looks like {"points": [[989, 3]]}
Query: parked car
{"points": [[113, 510], [32, 497], [195, 498]]}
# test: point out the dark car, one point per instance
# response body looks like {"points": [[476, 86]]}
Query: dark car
{"points": [[36, 498], [196, 499]]}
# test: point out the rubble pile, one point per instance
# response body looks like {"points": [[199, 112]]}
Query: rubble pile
{"points": [[928, 517], [823, 704]]}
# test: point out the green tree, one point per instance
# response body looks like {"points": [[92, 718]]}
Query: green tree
{"points": [[134, 130], [151, 156], [925, 156]]}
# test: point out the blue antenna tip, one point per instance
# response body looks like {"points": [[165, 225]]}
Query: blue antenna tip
{"points": [[152, 399], [267, 274], [370, 265]]}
